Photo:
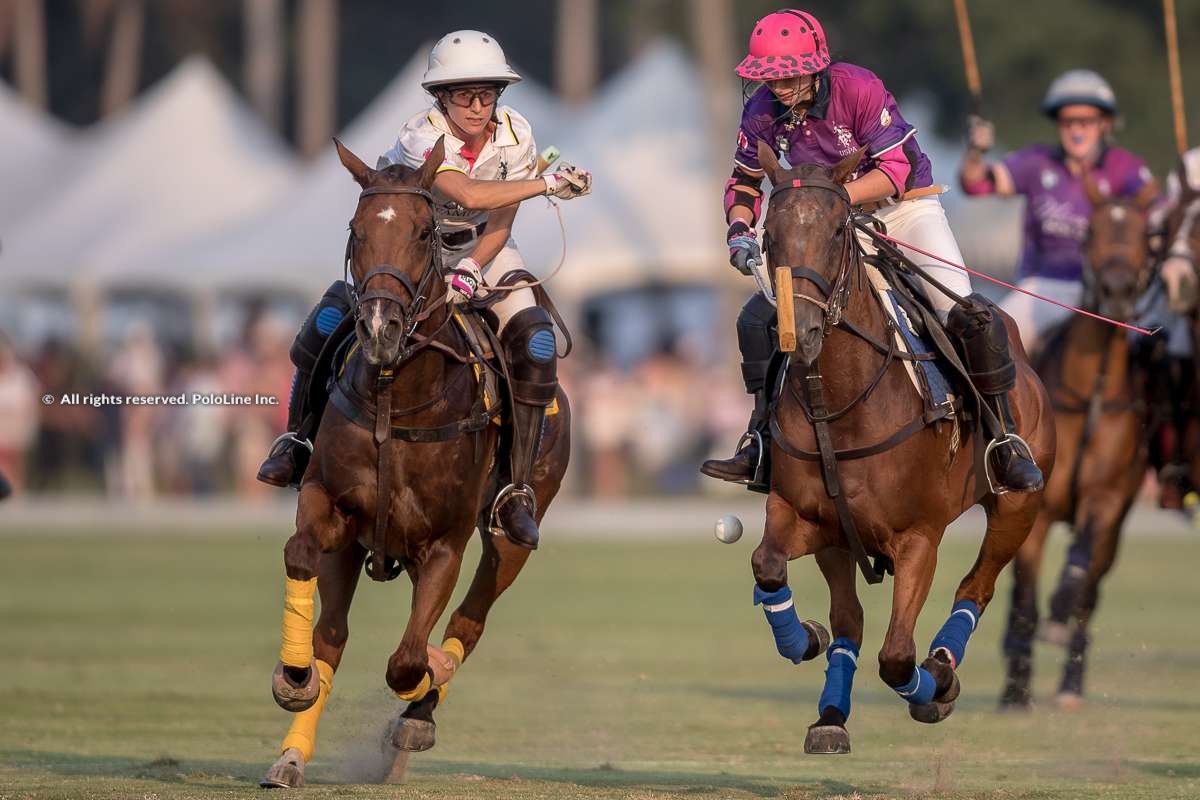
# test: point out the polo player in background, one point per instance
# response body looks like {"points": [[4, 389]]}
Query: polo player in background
{"points": [[1084, 109], [815, 111], [491, 165]]}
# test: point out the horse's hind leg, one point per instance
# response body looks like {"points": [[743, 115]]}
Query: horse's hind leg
{"points": [[828, 733], [1023, 618], [337, 579], [1106, 520]]}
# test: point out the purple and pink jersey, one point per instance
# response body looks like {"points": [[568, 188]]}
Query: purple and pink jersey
{"points": [[1057, 209], [852, 108]]}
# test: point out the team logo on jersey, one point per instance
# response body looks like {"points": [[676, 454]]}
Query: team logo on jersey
{"points": [[428, 152], [885, 118], [743, 142], [844, 136], [1049, 179]]}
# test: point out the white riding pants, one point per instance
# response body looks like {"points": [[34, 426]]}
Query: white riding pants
{"points": [[1034, 317], [922, 222], [508, 259]]}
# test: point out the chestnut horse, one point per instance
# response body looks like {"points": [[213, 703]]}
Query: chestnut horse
{"points": [[901, 496], [1099, 410], [429, 490]]}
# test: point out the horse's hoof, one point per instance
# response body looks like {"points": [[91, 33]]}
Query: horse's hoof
{"points": [[293, 696], [818, 638], [1015, 701], [1055, 633], [827, 740], [286, 773], [413, 735], [945, 675], [931, 713], [1068, 701]]}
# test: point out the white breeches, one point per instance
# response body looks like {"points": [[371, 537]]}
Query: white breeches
{"points": [[922, 222], [508, 259], [1034, 317]]}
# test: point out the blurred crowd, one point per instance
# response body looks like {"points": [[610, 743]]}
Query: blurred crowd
{"points": [[640, 428]]}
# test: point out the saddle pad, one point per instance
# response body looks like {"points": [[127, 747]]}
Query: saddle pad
{"points": [[933, 384]]}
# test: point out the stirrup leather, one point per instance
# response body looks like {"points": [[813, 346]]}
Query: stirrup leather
{"points": [[505, 496], [289, 436], [1008, 438]]}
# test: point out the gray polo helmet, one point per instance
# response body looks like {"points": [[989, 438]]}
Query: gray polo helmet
{"points": [[1079, 87]]}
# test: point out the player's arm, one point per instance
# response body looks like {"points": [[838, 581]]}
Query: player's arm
{"points": [[480, 195]]}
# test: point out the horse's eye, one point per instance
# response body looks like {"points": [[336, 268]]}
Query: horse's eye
{"points": [[425, 234]]}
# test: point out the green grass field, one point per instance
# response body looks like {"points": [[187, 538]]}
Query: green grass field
{"points": [[139, 667]]}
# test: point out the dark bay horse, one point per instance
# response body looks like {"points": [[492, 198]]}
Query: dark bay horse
{"points": [[1099, 410], [901, 497], [423, 469]]}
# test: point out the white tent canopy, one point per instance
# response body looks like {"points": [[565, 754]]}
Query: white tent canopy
{"points": [[189, 157], [298, 242], [34, 148]]}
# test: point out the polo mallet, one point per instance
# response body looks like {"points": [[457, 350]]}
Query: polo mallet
{"points": [[1176, 79], [974, 85], [785, 308], [547, 158]]}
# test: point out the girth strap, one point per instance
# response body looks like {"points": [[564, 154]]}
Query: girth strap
{"points": [[915, 425], [476, 421]]}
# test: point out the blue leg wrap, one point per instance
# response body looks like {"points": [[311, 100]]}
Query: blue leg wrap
{"points": [[958, 629], [839, 676], [791, 639], [920, 689]]}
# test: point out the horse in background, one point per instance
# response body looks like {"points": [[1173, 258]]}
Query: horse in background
{"points": [[902, 479], [1099, 407], [402, 468]]}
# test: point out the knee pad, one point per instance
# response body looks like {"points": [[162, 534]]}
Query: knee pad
{"points": [[334, 306], [531, 351], [984, 339], [756, 340]]}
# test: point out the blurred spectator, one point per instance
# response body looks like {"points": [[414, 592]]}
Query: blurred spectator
{"points": [[137, 370], [259, 367], [19, 405], [196, 433]]}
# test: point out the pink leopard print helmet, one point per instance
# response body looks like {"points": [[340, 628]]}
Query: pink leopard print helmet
{"points": [[785, 44]]}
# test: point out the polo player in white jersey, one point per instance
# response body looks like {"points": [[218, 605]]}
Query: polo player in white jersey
{"points": [[490, 166]]}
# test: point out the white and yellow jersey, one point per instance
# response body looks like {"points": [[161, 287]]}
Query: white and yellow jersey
{"points": [[509, 155]]}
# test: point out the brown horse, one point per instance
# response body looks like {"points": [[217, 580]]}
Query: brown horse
{"points": [[1087, 368], [1174, 365], [430, 488], [902, 488]]}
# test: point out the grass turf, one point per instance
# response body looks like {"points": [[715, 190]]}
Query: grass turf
{"points": [[139, 667]]}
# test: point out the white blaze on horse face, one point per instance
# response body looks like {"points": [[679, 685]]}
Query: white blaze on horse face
{"points": [[376, 323], [1117, 213], [387, 215]]}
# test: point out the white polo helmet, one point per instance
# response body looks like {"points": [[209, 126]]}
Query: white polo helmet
{"points": [[468, 57], [1079, 87]]}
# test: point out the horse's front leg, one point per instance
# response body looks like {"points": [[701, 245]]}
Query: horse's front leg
{"points": [[787, 536], [409, 673], [828, 734]]}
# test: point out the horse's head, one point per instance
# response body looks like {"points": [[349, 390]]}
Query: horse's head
{"points": [[1181, 265], [1117, 250], [393, 253], [807, 228]]}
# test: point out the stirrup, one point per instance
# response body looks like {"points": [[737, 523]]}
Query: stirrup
{"points": [[1008, 438], [504, 496], [289, 436], [756, 437]]}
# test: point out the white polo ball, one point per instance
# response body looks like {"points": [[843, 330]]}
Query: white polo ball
{"points": [[728, 529]]}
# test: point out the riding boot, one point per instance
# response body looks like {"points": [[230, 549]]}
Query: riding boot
{"points": [[290, 453], [750, 465], [530, 350], [981, 332]]}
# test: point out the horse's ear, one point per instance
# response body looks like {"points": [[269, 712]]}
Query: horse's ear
{"points": [[428, 171], [770, 163], [1094, 195], [353, 164], [1146, 195], [845, 168]]}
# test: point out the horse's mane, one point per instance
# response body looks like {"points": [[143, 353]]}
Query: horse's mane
{"points": [[395, 173]]}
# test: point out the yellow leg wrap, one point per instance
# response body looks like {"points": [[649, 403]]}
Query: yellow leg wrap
{"points": [[419, 692], [453, 648], [297, 649], [303, 733]]}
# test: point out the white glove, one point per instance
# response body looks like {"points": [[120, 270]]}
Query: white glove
{"points": [[568, 182], [463, 281]]}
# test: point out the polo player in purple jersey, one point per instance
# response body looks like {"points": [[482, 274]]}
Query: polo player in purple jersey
{"points": [[1050, 177], [815, 111]]}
